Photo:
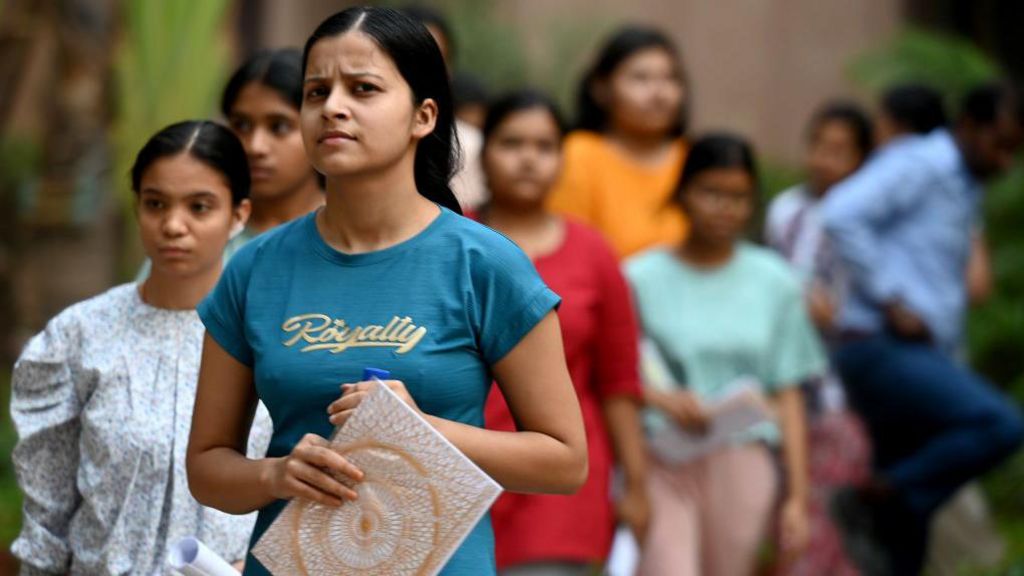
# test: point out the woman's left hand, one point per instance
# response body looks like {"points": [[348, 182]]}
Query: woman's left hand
{"points": [[353, 394], [634, 510], [794, 527]]}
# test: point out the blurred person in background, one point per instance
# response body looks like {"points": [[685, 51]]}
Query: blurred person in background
{"points": [[471, 98], [916, 109], [261, 103], [902, 226], [102, 398], [628, 145], [722, 312], [839, 141], [566, 535], [963, 530]]}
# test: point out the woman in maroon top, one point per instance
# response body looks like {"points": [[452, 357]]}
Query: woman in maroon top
{"points": [[568, 535]]}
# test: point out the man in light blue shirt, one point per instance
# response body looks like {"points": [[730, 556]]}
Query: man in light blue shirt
{"points": [[902, 227]]}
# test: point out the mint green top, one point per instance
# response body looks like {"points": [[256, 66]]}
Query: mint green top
{"points": [[713, 327]]}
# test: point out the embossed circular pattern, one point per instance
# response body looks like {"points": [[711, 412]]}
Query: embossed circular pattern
{"points": [[397, 504]]}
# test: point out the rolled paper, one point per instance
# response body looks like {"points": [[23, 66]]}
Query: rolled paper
{"points": [[190, 557]]}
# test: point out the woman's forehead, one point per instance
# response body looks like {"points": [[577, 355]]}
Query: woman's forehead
{"points": [[351, 53]]}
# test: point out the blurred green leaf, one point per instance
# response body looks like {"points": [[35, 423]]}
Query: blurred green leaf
{"points": [[948, 63], [170, 67]]}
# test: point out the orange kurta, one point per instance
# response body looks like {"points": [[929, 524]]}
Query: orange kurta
{"points": [[627, 201]]}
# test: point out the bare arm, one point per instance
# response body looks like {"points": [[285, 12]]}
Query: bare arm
{"points": [[622, 415], [795, 530], [548, 454], [220, 475], [979, 270]]}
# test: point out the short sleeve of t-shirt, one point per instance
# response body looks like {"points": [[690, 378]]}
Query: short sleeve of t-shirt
{"points": [[797, 354], [223, 310], [511, 298]]}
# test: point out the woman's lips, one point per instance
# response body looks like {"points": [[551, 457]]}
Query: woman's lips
{"points": [[174, 252], [336, 137], [261, 173]]}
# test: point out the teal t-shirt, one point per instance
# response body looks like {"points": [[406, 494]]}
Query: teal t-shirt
{"points": [[437, 311], [744, 319]]}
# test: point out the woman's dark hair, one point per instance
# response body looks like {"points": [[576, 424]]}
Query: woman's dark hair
{"points": [[207, 142], [983, 104], [916, 107], [716, 151], [430, 17], [468, 89], [419, 61], [623, 44], [853, 116], [516, 101], [279, 70]]}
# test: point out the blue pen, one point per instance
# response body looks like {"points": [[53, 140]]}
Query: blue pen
{"points": [[375, 374]]}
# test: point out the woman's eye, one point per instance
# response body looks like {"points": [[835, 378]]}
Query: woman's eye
{"points": [[365, 88], [201, 208], [316, 92], [152, 204], [281, 127], [240, 125]]}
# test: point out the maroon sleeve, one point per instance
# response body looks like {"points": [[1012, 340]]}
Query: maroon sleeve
{"points": [[616, 363]]}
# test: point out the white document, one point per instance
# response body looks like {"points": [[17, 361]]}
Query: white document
{"points": [[624, 558], [190, 557], [735, 413], [418, 500]]}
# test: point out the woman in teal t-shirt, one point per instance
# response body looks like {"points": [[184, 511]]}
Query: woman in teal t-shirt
{"points": [[387, 274], [721, 312]]}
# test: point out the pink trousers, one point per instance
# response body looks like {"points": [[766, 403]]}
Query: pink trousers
{"points": [[711, 516]]}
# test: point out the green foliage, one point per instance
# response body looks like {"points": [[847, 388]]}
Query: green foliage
{"points": [[776, 177], [948, 63], [10, 496], [170, 67], [996, 329], [484, 46]]}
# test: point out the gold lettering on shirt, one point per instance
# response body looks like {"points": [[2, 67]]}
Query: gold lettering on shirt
{"points": [[321, 332]]}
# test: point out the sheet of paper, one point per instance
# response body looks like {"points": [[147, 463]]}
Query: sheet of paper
{"points": [[190, 557], [419, 499], [743, 408], [624, 558]]}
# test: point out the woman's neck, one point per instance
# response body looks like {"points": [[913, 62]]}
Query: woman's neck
{"points": [[535, 230], [706, 254], [649, 149], [167, 292], [373, 212], [272, 212]]}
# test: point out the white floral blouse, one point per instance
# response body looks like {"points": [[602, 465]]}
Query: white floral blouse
{"points": [[102, 402]]}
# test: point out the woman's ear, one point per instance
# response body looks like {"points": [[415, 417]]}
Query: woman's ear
{"points": [[425, 119], [240, 216]]}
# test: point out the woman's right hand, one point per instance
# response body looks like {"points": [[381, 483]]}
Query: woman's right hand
{"points": [[309, 473], [685, 408]]}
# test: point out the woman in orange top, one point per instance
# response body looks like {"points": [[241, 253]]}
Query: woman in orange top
{"points": [[624, 157]]}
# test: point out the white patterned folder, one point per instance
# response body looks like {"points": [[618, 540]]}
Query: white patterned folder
{"points": [[418, 500]]}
